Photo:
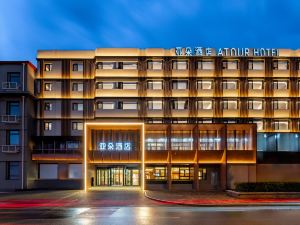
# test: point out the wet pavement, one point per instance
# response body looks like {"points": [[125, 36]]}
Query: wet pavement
{"points": [[214, 199], [107, 207]]}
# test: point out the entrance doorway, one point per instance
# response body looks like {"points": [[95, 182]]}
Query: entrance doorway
{"points": [[117, 176]]}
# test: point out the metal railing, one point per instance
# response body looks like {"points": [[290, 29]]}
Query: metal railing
{"points": [[56, 151], [9, 119], [10, 86], [10, 148]]}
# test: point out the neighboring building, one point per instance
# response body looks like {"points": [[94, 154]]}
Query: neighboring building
{"points": [[201, 115], [16, 124]]}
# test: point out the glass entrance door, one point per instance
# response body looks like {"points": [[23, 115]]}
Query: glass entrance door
{"points": [[117, 176]]}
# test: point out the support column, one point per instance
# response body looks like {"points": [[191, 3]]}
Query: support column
{"points": [[169, 172], [196, 178]]}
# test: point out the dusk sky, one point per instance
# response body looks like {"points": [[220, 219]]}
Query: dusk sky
{"points": [[29, 25]]}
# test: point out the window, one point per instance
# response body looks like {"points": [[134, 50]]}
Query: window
{"points": [[274, 142], [256, 65], [13, 137], [75, 171], [48, 126], [73, 144], [209, 140], [129, 65], [77, 87], [230, 84], [77, 126], [155, 84], [230, 65], [105, 105], [280, 65], [230, 104], [256, 84], [238, 140], [77, 67], [179, 65], [180, 104], [207, 104], [48, 67], [255, 104], [156, 140], [202, 174], [204, 84], [156, 173], [77, 106], [281, 85], [48, 171], [180, 84], [182, 173], [259, 124], [12, 170], [13, 108], [205, 65], [182, 140], [155, 105], [14, 78], [154, 65], [48, 106], [129, 85], [128, 105], [109, 65], [48, 87], [280, 105], [281, 125]]}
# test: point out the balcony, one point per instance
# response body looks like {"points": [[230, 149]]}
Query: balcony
{"points": [[10, 148], [9, 119], [10, 86], [56, 154]]}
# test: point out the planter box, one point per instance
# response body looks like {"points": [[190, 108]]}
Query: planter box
{"points": [[259, 195]]}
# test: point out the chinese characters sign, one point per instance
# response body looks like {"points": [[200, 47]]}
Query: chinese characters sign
{"points": [[233, 52], [114, 146]]}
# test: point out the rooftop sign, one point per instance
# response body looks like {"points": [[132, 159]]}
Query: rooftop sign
{"points": [[231, 52]]}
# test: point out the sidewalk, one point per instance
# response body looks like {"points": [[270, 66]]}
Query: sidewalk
{"points": [[213, 199]]}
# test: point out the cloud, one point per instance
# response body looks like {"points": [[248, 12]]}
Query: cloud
{"points": [[29, 25]]}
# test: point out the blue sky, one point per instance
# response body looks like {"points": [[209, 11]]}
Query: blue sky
{"points": [[29, 25]]}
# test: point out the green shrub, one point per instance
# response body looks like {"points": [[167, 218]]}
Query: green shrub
{"points": [[268, 187]]}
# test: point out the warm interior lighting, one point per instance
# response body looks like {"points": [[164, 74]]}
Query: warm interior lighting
{"points": [[86, 125]]}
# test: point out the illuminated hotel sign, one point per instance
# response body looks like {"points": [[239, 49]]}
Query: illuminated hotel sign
{"points": [[232, 52], [111, 146]]}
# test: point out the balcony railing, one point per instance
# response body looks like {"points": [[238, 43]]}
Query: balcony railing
{"points": [[9, 119], [10, 148], [56, 151], [10, 85]]}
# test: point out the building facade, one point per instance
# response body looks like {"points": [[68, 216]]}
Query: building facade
{"points": [[17, 124], [162, 120]]}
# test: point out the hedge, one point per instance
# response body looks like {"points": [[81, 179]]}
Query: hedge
{"points": [[268, 187]]}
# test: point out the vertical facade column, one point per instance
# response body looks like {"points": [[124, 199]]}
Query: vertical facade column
{"points": [[169, 166]]}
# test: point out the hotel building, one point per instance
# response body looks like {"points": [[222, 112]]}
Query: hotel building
{"points": [[159, 120]]}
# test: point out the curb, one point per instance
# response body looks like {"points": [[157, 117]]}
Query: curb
{"points": [[219, 205]]}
